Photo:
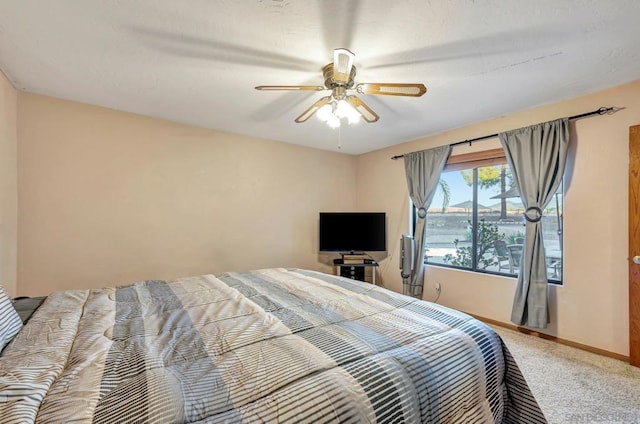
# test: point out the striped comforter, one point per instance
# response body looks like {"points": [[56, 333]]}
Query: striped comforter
{"points": [[274, 345]]}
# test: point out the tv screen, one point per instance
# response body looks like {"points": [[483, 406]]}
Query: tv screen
{"points": [[353, 232]]}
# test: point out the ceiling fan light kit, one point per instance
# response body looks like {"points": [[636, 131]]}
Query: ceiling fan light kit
{"points": [[339, 77], [332, 112]]}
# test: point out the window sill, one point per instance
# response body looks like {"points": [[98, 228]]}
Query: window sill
{"points": [[487, 272]]}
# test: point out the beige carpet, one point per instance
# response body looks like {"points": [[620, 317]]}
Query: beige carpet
{"points": [[574, 386]]}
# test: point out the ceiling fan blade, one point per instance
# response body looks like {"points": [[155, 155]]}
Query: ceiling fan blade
{"points": [[342, 64], [364, 110], [291, 87], [313, 109], [389, 89]]}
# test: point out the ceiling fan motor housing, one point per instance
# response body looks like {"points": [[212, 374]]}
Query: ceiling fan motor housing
{"points": [[331, 83]]}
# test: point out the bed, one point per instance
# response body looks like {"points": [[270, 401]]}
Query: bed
{"points": [[273, 345]]}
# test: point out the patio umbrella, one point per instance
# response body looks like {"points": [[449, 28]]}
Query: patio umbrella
{"points": [[509, 206], [468, 205], [512, 192]]}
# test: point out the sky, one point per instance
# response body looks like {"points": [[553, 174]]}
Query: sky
{"points": [[461, 192]]}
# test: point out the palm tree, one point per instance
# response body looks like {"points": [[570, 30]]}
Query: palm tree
{"points": [[446, 194]]}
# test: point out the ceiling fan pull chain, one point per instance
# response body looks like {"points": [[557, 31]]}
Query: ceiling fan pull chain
{"points": [[339, 138]]}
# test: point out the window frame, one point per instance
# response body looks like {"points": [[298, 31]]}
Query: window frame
{"points": [[474, 161]]}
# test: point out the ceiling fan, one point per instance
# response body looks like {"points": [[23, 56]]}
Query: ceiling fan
{"points": [[339, 77]]}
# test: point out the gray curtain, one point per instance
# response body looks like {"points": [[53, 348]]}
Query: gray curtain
{"points": [[537, 156], [423, 172]]}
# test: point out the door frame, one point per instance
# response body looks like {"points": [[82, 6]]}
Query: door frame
{"points": [[634, 245]]}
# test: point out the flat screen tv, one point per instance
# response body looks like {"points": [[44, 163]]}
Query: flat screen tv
{"points": [[353, 232]]}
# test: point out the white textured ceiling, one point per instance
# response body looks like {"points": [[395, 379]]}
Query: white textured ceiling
{"points": [[197, 61]]}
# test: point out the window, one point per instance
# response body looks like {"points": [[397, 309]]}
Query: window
{"points": [[475, 220]]}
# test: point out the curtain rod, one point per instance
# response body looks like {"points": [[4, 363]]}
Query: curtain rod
{"points": [[600, 111]]}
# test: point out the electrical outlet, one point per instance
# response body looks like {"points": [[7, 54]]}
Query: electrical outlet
{"points": [[438, 287]]}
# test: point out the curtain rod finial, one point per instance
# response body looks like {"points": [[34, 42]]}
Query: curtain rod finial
{"points": [[609, 110], [613, 109]]}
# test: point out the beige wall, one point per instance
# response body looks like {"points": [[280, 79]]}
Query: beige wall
{"points": [[108, 197], [8, 186], [592, 306]]}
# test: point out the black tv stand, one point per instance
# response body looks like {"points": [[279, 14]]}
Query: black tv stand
{"points": [[370, 262], [357, 271]]}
